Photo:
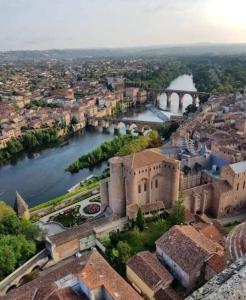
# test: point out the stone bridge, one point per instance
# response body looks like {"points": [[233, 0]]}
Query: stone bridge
{"points": [[169, 92], [15, 279], [130, 124]]}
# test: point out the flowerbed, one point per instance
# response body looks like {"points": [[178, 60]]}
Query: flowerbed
{"points": [[92, 209]]}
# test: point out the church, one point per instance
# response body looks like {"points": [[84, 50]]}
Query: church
{"points": [[153, 179]]}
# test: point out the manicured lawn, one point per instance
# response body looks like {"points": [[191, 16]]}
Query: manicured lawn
{"points": [[70, 217], [83, 188], [140, 241]]}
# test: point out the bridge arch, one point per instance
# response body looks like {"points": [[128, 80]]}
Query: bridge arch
{"points": [[13, 286]]}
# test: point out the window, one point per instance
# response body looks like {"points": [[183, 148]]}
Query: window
{"points": [[237, 186], [156, 183], [139, 189], [145, 186]]}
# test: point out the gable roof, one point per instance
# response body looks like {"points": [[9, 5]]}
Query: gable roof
{"points": [[148, 268], [146, 158], [91, 269], [186, 247]]}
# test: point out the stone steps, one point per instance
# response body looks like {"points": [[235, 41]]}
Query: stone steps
{"points": [[235, 242]]}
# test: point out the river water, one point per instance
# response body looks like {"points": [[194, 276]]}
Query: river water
{"points": [[42, 176]]}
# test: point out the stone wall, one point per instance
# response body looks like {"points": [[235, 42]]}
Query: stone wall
{"points": [[228, 285]]}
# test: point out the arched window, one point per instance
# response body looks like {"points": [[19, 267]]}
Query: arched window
{"points": [[156, 183], [139, 188], [145, 186]]}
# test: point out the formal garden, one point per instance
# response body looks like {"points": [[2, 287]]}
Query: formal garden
{"points": [[69, 217], [78, 214]]}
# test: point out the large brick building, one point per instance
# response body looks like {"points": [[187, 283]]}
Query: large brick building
{"points": [[153, 180]]}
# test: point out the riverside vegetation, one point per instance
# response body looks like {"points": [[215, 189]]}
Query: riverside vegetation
{"points": [[30, 141], [119, 146]]}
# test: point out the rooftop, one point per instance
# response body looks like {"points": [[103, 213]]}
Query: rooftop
{"points": [[239, 167], [150, 270], [59, 281], [195, 247]]}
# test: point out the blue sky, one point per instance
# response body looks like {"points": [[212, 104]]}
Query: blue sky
{"points": [[47, 24]]}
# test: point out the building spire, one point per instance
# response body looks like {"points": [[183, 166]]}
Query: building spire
{"points": [[21, 206]]}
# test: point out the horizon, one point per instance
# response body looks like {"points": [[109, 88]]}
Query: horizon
{"points": [[107, 24], [203, 44]]}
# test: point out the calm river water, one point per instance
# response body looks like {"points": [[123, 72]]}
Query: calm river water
{"points": [[41, 176]]}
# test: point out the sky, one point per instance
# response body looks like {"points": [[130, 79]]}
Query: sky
{"points": [[49, 24]]}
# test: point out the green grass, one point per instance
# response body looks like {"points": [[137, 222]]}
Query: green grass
{"points": [[59, 199], [141, 241], [231, 226]]}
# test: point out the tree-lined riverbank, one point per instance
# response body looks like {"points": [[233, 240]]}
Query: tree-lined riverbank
{"points": [[120, 145], [30, 141]]}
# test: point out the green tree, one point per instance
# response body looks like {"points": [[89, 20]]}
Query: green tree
{"points": [[7, 260], [140, 222], [5, 210], [114, 238], [178, 213], [124, 253]]}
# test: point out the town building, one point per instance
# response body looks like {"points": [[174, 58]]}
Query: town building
{"points": [[147, 274], [87, 277], [189, 255]]}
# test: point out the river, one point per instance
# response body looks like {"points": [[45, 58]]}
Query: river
{"points": [[41, 176]]}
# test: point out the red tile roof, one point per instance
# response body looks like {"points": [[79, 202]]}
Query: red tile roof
{"points": [[148, 268]]}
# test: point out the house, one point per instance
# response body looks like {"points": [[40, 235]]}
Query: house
{"points": [[186, 253], [147, 274], [86, 277]]}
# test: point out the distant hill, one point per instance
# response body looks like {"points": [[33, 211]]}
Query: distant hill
{"points": [[181, 50]]}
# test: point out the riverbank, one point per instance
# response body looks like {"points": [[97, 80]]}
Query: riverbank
{"points": [[33, 141], [119, 146], [83, 192]]}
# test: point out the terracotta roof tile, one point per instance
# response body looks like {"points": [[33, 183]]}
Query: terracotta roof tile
{"points": [[91, 268], [187, 247], [148, 268], [167, 294]]}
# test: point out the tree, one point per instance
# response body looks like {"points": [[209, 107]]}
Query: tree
{"points": [[5, 210], [178, 214], [7, 260], [114, 238], [14, 251], [140, 220], [124, 253]]}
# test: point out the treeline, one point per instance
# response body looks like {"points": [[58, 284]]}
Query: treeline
{"points": [[30, 141], [211, 73], [120, 145], [18, 240], [158, 74], [221, 74]]}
